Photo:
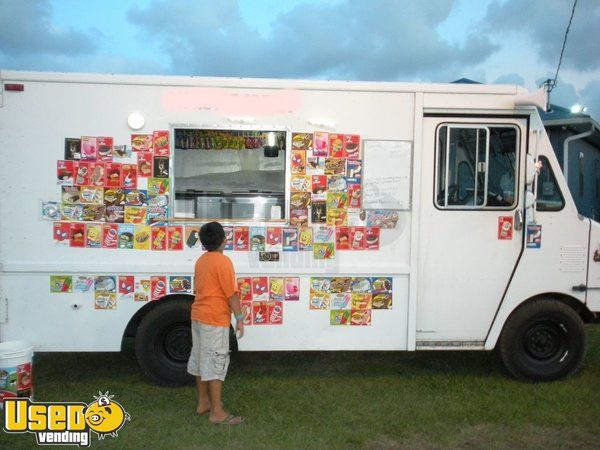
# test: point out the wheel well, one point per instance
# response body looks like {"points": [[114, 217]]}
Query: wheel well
{"points": [[580, 308], [134, 322]]}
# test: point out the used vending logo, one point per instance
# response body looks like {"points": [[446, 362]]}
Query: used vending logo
{"points": [[59, 423]]}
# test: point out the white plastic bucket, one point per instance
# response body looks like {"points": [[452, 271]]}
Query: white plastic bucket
{"points": [[16, 374]]}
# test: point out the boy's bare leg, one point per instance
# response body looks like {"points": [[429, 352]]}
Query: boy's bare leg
{"points": [[203, 398], [217, 413]]}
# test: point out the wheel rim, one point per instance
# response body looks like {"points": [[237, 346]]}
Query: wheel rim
{"points": [[545, 341], [177, 342]]}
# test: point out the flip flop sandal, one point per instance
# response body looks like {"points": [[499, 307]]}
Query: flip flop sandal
{"points": [[231, 420]]}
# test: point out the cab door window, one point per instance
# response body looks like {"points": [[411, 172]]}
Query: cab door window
{"points": [[476, 166]]}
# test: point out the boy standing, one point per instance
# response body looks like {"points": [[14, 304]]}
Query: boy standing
{"points": [[216, 298]]}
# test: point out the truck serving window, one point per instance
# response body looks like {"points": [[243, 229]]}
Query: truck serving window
{"points": [[229, 174], [549, 197], [476, 166]]}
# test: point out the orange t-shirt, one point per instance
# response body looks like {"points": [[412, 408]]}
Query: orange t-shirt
{"points": [[214, 282]]}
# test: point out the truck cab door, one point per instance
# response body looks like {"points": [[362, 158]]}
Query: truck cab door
{"points": [[471, 235]]}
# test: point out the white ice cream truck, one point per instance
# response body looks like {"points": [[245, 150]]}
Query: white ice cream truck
{"points": [[359, 216]]}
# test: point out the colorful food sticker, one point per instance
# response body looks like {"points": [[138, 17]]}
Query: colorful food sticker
{"points": [[115, 214], [300, 200], [145, 160], [94, 213], [158, 186], [161, 167], [381, 284], [357, 217], [158, 238], [336, 217], [339, 317], [91, 195], [336, 145], [93, 235], [77, 235], [192, 236], [342, 300], [505, 228], [110, 235], [135, 214], [276, 289], [71, 195], [299, 217], [105, 283], [65, 171], [382, 300], [298, 161], [354, 195], [275, 311], [142, 291], [319, 212], [340, 284], [357, 238], [114, 197], [121, 153], [319, 300], [61, 232], [382, 219], [72, 148], [362, 301], [260, 288], [141, 237], [126, 286], [337, 183], [105, 300], [315, 166], [337, 200], [342, 238], [260, 313], [228, 237], [50, 210], [97, 170], [241, 238], [61, 284], [321, 143], [324, 251], [112, 177], [319, 187], [105, 145], [534, 236], [175, 238], [361, 285], [257, 239], [161, 143], [141, 142], [354, 169], [71, 212], [246, 312], [300, 183], [129, 174], [180, 284], [157, 214], [320, 284], [136, 197], [88, 148], [305, 240], [126, 235], [290, 239], [268, 256], [292, 288], [351, 146], [372, 236], [302, 141], [360, 317], [245, 288], [274, 239], [82, 284], [161, 200], [82, 173], [335, 166], [158, 287]]}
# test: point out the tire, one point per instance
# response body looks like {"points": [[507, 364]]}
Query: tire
{"points": [[543, 340], [163, 342]]}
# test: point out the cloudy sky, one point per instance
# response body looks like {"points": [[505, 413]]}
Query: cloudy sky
{"points": [[492, 41]]}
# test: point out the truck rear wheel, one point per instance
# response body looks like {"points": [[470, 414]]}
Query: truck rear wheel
{"points": [[543, 340], [163, 342]]}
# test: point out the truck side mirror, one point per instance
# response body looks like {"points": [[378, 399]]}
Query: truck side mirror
{"points": [[530, 170]]}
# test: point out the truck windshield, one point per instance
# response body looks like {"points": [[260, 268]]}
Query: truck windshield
{"points": [[229, 174]]}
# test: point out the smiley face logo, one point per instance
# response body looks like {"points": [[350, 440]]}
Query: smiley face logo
{"points": [[105, 416]]}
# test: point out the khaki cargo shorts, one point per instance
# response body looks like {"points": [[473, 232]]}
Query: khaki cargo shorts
{"points": [[209, 358]]}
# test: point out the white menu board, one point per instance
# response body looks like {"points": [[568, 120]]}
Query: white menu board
{"points": [[386, 176]]}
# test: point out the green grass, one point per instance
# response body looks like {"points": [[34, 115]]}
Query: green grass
{"points": [[339, 400]]}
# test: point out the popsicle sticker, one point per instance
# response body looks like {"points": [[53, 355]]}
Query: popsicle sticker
{"points": [[141, 142], [260, 288], [302, 141], [276, 289], [245, 288], [257, 239], [161, 143], [336, 145], [339, 317], [61, 232], [129, 173], [65, 171], [104, 145], [142, 291], [175, 237], [292, 288], [88, 148], [321, 143], [260, 313], [93, 235], [298, 161], [241, 238], [141, 237], [306, 239], [342, 238], [274, 239], [145, 161], [82, 173], [275, 311], [192, 236], [113, 175], [110, 235], [158, 287], [126, 287], [77, 235], [159, 238], [352, 146], [247, 312], [290, 239], [228, 237]]}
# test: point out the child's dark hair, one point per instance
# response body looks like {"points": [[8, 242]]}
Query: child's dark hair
{"points": [[212, 236]]}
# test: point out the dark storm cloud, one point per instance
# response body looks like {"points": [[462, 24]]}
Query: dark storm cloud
{"points": [[545, 22], [26, 31], [382, 40]]}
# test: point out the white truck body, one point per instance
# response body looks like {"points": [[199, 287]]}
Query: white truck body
{"points": [[455, 282]]}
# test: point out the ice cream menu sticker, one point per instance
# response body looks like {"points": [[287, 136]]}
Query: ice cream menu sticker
{"points": [[386, 174]]}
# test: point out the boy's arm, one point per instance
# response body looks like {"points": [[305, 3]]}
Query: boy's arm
{"points": [[234, 305]]}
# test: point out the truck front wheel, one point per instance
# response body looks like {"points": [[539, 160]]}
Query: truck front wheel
{"points": [[163, 342], [543, 340]]}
